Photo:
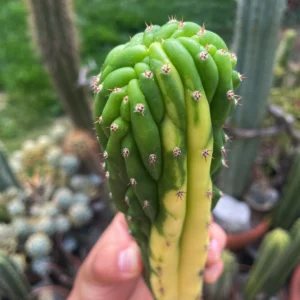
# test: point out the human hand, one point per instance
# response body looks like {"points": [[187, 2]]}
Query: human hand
{"points": [[112, 270]]}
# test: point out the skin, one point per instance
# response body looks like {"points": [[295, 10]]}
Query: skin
{"points": [[112, 270]]}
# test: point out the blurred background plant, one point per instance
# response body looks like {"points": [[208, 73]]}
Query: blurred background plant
{"points": [[53, 199]]}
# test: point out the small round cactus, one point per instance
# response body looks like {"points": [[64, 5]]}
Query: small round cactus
{"points": [[63, 198], [38, 245], [50, 209], [79, 182], [8, 238], [40, 266], [58, 133], [70, 164], [46, 225], [80, 214], [16, 207], [81, 198], [54, 156], [22, 227], [62, 224], [69, 244]]}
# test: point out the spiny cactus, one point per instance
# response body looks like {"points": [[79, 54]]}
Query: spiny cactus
{"points": [[273, 246], [256, 38], [222, 289], [80, 214], [161, 101], [63, 198], [54, 31], [12, 284], [38, 245], [288, 208]]}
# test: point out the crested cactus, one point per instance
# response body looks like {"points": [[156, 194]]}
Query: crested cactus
{"points": [[274, 245], [161, 101], [13, 284], [256, 38]]}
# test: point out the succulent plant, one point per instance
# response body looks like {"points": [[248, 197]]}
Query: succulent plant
{"points": [[54, 156], [274, 244], [40, 266], [8, 238], [45, 224], [38, 245], [81, 198], [63, 198], [19, 260], [161, 101], [22, 227], [70, 164], [50, 209], [80, 214], [16, 207], [62, 224]]}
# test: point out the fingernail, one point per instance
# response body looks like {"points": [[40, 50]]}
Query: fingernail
{"points": [[214, 250], [128, 260]]}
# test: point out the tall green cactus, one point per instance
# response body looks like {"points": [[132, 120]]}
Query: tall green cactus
{"points": [[256, 38], [288, 208], [284, 51], [12, 283], [54, 31], [160, 104], [273, 245], [7, 177]]}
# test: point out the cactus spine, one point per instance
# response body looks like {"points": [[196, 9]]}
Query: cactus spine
{"points": [[160, 104], [256, 37], [54, 31], [288, 208]]}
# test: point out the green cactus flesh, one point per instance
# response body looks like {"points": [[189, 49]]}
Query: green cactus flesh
{"points": [[160, 104]]}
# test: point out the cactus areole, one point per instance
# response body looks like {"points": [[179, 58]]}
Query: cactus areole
{"points": [[160, 103]]}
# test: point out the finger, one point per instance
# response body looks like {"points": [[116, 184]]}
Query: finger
{"points": [[141, 292], [212, 273], [112, 267], [217, 244]]}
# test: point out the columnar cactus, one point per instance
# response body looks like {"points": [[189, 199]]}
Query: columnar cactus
{"points": [[288, 208], [256, 38], [274, 245], [160, 104]]}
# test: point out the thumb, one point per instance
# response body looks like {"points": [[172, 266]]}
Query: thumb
{"points": [[115, 261]]}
